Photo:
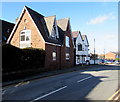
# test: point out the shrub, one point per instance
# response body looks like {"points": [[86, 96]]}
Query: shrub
{"points": [[15, 59], [10, 58]]}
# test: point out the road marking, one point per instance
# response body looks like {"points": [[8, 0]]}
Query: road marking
{"points": [[3, 92], [84, 79], [49, 94], [111, 98], [22, 83]]}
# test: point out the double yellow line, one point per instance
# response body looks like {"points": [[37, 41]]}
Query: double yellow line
{"points": [[115, 96]]}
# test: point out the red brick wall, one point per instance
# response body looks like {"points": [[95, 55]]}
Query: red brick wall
{"points": [[37, 42], [36, 39], [49, 62], [70, 62]]}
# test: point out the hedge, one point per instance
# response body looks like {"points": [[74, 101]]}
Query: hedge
{"points": [[15, 59]]}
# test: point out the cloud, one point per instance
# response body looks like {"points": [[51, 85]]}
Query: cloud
{"points": [[111, 37], [101, 18]]}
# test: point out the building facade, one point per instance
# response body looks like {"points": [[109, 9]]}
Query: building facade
{"points": [[36, 31], [111, 56], [6, 29], [81, 48]]}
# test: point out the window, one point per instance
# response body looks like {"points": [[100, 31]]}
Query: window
{"points": [[8, 30], [54, 27], [54, 56], [67, 42], [24, 27], [78, 60], [54, 33], [25, 20], [25, 40], [67, 56], [22, 37], [79, 47], [4, 38], [25, 35]]}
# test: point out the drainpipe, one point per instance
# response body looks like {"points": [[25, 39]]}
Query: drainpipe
{"points": [[60, 58]]}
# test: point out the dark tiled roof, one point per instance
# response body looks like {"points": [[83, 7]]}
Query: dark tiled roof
{"points": [[49, 23], [83, 38], [117, 53], [75, 34], [42, 26], [62, 23], [5, 29], [62, 27]]}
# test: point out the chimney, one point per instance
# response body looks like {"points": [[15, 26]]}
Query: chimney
{"points": [[16, 20]]}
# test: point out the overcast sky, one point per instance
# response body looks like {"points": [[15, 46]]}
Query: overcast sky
{"points": [[98, 20]]}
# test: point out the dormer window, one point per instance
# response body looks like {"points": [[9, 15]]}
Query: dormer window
{"points": [[53, 34]]}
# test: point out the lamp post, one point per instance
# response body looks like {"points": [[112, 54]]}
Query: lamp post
{"points": [[94, 51], [104, 56]]}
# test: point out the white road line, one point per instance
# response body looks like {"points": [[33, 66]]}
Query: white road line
{"points": [[84, 79], [49, 94], [3, 92]]}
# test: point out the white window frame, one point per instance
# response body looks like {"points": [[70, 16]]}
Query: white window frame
{"points": [[53, 34], [78, 59], [67, 54], [25, 35], [54, 56], [67, 41]]}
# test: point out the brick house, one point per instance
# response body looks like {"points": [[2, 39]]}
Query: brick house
{"points": [[111, 55], [34, 30], [67, 48], [5, 30]]}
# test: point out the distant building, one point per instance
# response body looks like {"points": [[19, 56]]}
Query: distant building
{"points": [[85, 48], [81, 48], [6, 28], [78, 44], [101, 56], [111, 55]]}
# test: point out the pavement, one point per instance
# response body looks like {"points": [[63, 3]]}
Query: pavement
{"points": [[50, 73], [96, 82]]}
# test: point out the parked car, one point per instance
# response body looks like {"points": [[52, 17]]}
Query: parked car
{"points": [[108, 62], [116, 62]]}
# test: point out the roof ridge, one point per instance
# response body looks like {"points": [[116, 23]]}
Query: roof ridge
{"points": [[7, 21], [76, 31], [33, 10], [63, 18], [84, 35], [50, 16]]}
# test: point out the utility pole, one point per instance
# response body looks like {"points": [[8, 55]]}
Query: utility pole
{"points": [[94, 51], [104, 56]]}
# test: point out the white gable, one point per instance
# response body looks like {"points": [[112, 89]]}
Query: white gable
{"points": [[86, 41], [79, 39]]}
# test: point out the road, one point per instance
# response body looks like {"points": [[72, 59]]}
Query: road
{"points": [[98, 83]]}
